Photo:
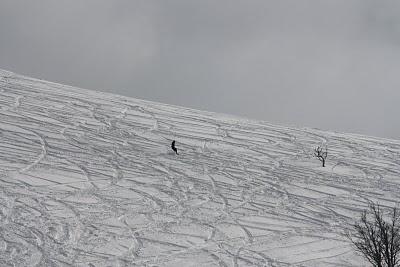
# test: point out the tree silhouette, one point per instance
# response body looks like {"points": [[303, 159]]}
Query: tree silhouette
{"points": [[378, 239], [321, 155]]}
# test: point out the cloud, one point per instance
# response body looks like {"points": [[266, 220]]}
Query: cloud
{"points": [[325, 64]]}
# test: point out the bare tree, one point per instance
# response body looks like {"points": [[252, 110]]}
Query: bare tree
{"points": [[321, 155], [378, 239]]}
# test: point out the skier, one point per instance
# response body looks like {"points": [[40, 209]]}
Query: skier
{"points": [[174, 148]]}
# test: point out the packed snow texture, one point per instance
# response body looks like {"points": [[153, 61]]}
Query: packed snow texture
{"points": [[89, 179]]}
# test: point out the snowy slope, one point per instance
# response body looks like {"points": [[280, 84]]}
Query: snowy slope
{"points": [[88, 179]]}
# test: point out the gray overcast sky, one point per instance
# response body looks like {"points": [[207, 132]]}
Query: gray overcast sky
{"points": [[332, 65]]}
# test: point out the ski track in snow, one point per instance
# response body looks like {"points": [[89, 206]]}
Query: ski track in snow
{"points": [[88, 179]]}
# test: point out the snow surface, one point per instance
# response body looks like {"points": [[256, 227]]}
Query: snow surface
{"points": [[89, 179]]}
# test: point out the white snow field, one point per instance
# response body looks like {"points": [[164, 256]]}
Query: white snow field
{"points": [[89, 179]]}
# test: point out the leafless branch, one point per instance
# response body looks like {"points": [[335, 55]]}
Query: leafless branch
{"points": [[378, 239], [321, 155]]}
